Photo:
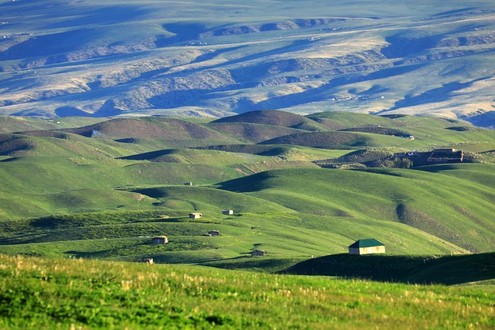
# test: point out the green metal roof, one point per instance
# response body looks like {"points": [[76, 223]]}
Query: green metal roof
{"points": [[363, 243]]}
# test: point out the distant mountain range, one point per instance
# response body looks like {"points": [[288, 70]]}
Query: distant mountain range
{"points": [[90, 58]]}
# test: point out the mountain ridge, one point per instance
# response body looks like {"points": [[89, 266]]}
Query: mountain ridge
{"points": [[96, 59]]}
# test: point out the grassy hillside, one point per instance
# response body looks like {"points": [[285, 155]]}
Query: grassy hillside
{"points": [[71, 193], [440, 204], [444, 270], [276, 118], [75, 205], [148, 127], [96, 294], [287, 236], [252, 132], [10, 124]]}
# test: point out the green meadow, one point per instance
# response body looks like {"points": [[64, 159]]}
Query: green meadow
{"points": [[79, 207], [61, 294], [284, 200], [315, 124]]}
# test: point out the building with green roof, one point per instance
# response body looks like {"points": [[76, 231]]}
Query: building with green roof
{"points": [[366, 246]]}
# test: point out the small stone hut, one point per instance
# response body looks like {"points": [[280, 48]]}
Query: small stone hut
{"points": [[446, 156], [213, 233], [148, 260], [195, 215], [366, 246], [258, 253], [227, 212], [159, 240]]}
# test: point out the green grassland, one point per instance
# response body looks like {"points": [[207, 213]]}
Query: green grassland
{"points": [[68, 194], [284, 202], [439, 205], [10, 124], [84, 191], [55, 293]]}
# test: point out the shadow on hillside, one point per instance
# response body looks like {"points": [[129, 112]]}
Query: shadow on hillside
{"points": [[246, 262], [149, 155], [439, 94], [407, 269], [183, 32], [255, 182], [486, 119], [437, 168]]}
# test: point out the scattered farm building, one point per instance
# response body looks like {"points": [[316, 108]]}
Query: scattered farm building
{"points": [[189, 183], [148, 260], [195, 215], [446, 156], [366, 246], [258, 253], [159, 240], [213, 233], [436, 156], [228, 212]]}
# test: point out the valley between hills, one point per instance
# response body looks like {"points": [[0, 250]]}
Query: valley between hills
{"points": [[197, 165], [81, 206], [299, 186]]}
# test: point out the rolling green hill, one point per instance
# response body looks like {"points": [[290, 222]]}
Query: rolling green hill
{"points": [[79, 212], [66, 192], [290, 129], [10, 124], [275, 118], [439, 205]]}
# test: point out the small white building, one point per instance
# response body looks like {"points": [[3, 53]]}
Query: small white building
{"points": [[195, 215], [159, 240], [227, 212]]}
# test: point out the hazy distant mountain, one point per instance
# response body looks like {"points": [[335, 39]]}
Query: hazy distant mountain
{"points": [[219, 57]]}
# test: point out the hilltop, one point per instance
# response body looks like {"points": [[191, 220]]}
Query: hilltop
{"points": [[96, 59]]}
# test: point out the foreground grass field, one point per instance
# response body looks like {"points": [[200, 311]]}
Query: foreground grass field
{"points": [[86, 294]]}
